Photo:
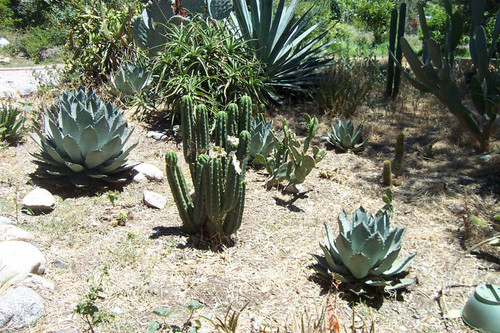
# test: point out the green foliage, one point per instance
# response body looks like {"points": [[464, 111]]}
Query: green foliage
{"points": [[365, 250], [435, 73], [375, 16], [205, 60], [11, 125], [83, 143], [288, 162], [6, 14], [495, 240], [388, 205], [191, 325], [88, 308], [344, 138], [99, 34], [292, 58], [215, 208]]}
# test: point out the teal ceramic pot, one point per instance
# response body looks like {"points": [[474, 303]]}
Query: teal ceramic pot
{"points": [[482, 310]]}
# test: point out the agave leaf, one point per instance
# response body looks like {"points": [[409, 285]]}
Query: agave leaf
{"points": [[359, 265], [358, 237], [385, 264], [72, 149], [94, 158], [102, 129], [399, 265], [373, 248], [75, 167], [52, 152], [53, 131], [112, 147], [344, 248], [399, 284], [80, 179], [88, 140], [117, 161], [68, 125]]}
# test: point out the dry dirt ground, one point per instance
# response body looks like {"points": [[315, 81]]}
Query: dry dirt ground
{"points": [[152, 262]]}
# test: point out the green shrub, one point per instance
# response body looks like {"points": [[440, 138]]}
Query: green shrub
{"points": [[375, 16], [11, 125], [203, 59], [6, 15]]}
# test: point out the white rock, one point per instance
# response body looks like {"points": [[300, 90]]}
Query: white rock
{"points": [[139, 178], [6, 220], [11, 232], [154, 200], [150, 171], [156, 135], [39, 200], [5, 60], [19, 308], [3, 42], [37, 282], [18, 259], [26, 90]]}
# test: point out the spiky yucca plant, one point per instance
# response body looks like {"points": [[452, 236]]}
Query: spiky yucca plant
{"points": [[83, 143], [11, 125], [344, 138], [366, 250]]}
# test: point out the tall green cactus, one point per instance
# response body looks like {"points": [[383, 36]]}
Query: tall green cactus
{"points": [[435, 73], [215, 208], [394, 74]]}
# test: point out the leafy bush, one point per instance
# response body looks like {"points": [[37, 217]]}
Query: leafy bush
{"points": [[6, 14], [375, 16], [99, 34], [83, 143], [203, 59], [365, 250]]}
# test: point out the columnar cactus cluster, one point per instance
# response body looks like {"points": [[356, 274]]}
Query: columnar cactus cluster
{"points": [[215, 208]]}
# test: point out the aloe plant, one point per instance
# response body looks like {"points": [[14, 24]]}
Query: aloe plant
{"points": [[292, 58], [83, 143], [365, 250], [344, 138], [131, 78], [435, 72], [215, 208], [11, 124]]}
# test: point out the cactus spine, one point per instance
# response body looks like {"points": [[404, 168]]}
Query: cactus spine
{"points": [[387, 173], [216, 206], [400, 150], [394, 74]]}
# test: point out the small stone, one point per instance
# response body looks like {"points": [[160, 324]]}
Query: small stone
{"points": [[117, 311], [150, 171], [156, 135], [5, 60], [18, 260], [59, 263], [7, 221], [37, 282], [20, 308], [39, 200], [27, 90], [454, 314], [154, 200], [139, 178], [11, 233], [3, 42]]}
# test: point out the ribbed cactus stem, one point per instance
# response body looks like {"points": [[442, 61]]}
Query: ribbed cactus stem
{"points": [[245, 113], [387, 173], [180, 192], [202, 130], [188, 129], [232, 119], [398, 159], [243, 150], [221, 129], [399, 52]]}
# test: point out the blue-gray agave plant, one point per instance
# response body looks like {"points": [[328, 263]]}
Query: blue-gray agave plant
{"points": [[262, 141], [83, 143], [131, 78], [366, 250], [292, 58], [344, 138]]}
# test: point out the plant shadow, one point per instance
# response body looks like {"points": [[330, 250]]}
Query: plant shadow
{"points": [[197, 241]]}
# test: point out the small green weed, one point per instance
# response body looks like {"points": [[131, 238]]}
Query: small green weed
{"points": [[88, 309], [387, 199], [191, 325]]}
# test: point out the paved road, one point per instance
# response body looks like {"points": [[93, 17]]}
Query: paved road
{"points": [[24, 81]]}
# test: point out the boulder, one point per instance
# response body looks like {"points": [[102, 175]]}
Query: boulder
{"points": [[18, 259], [11, 232], [19, 308], [39, 200]]}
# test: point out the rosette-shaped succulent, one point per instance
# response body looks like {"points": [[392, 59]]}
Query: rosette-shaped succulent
{"points": [[367, 250], [83, 143], [131, 78], [344, 138]]}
